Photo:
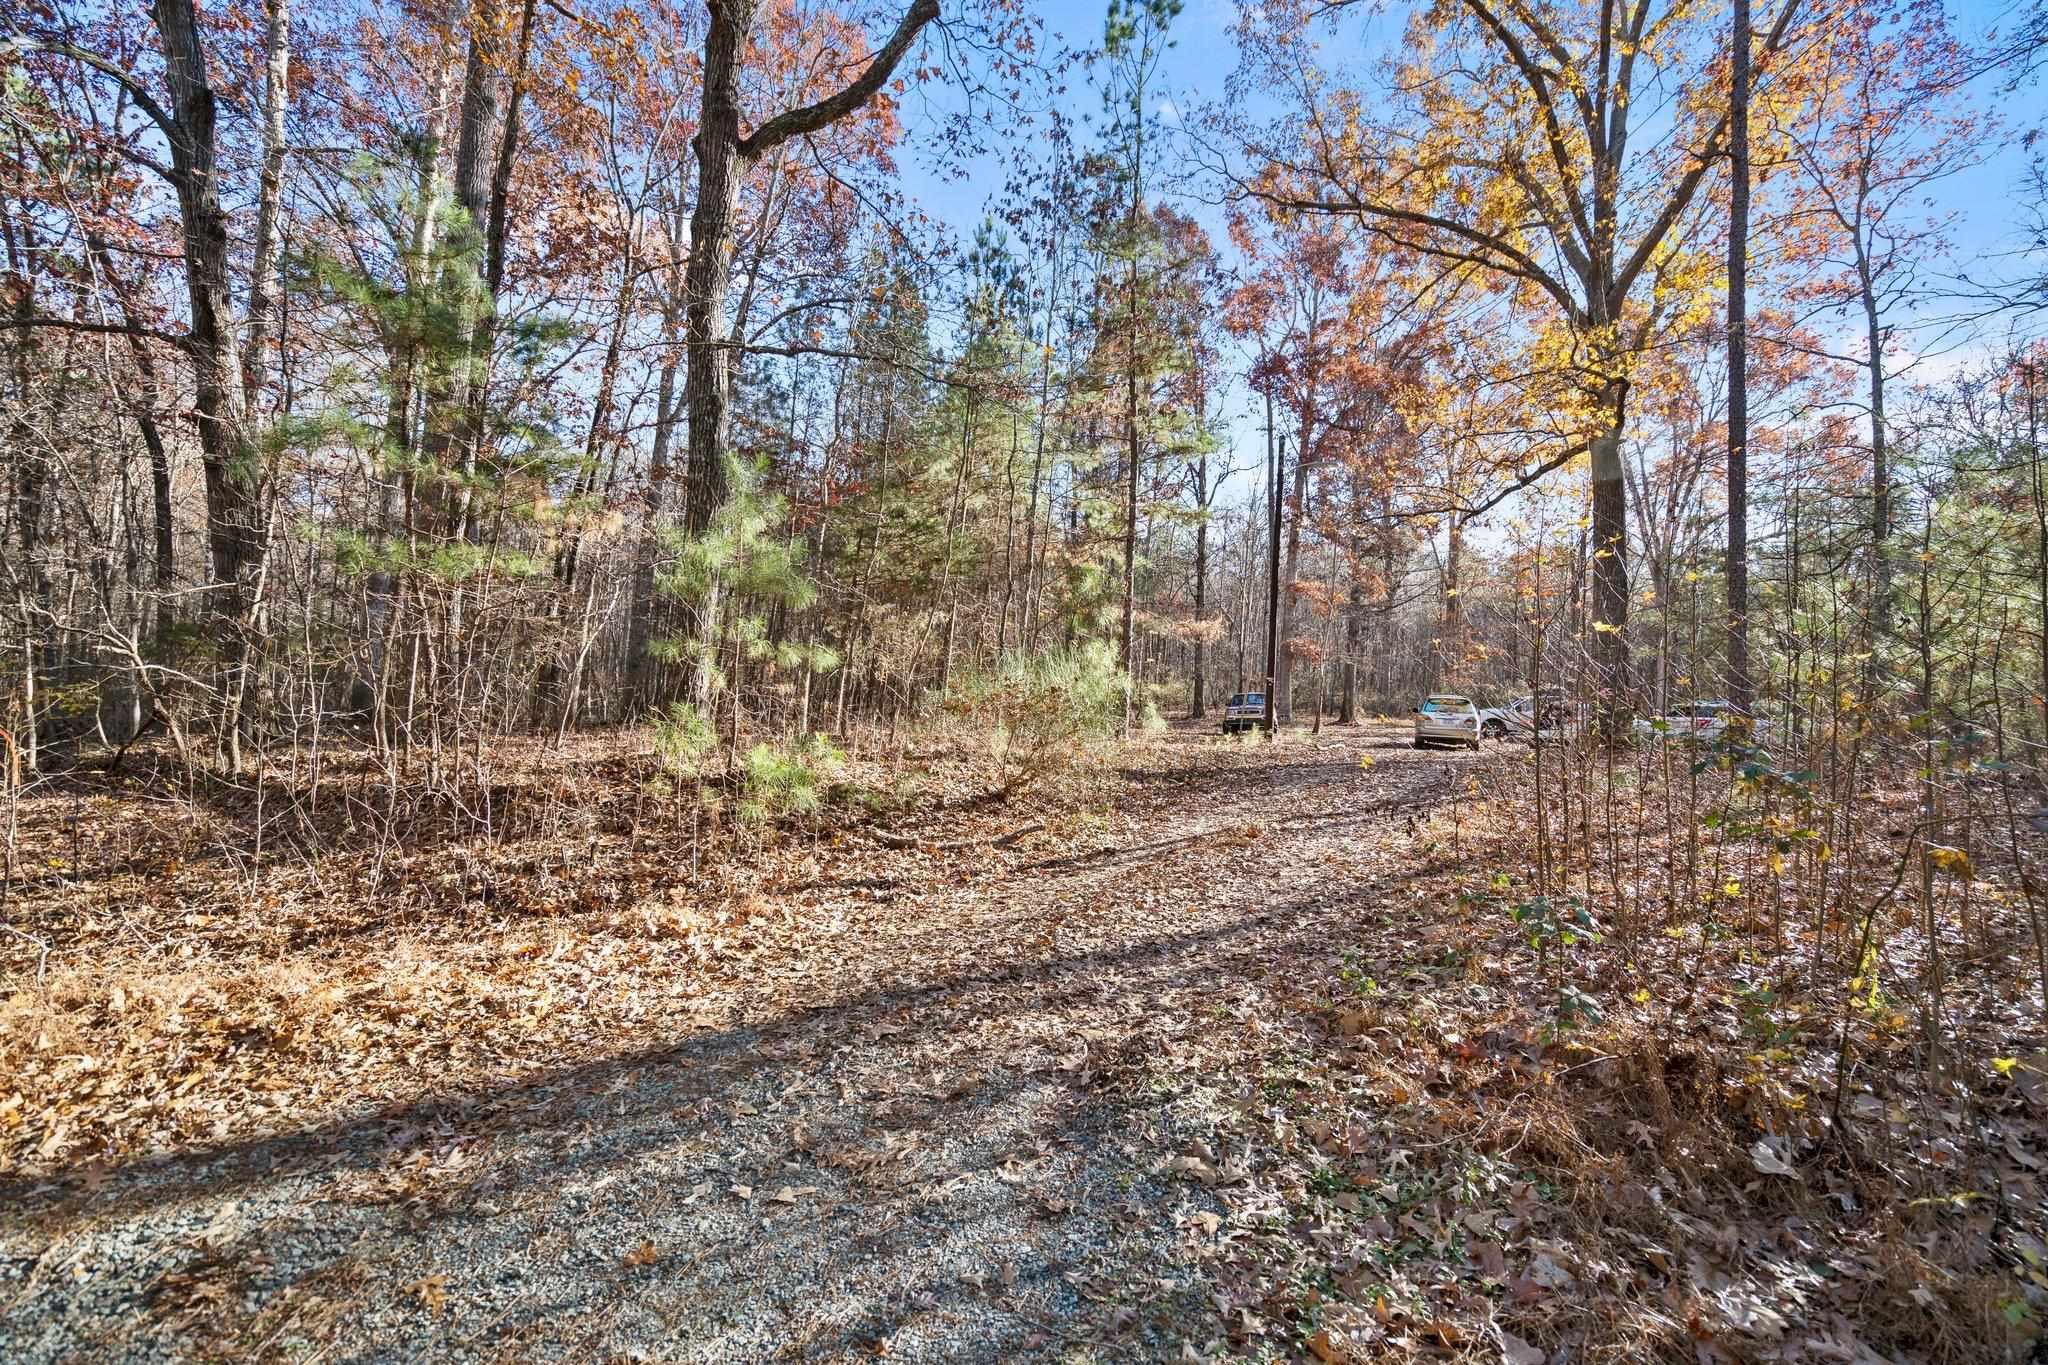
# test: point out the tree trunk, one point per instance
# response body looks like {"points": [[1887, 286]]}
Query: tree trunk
{"points": [[266, 284], [160, 507], [1200, 706], [2030, 372], [234, 532], [395, 487], [644, 611], [1029, 634], [1451, 628], [598, 436], [483, 338], [1131, 421], [1610, 568], [1354, 629], [707, 384], [448, 401], [1276, 468], [956, 507], [1880, 461], [145, 409], [1741, 693], [1009, 538], [1296, 507], [31, 466], [723, 160]]}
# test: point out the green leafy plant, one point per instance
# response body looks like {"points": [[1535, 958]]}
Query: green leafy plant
{"points": [[1555, 923], [732, 578], [1574, 1009], [1556, 926]]}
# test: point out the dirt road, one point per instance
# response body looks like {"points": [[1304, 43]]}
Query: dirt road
{"points": [[960, 1127]]}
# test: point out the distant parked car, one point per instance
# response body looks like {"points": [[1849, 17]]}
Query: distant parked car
{"points": [[1524, 718], [1244, 711], [1696, 722], [1446, 720]]}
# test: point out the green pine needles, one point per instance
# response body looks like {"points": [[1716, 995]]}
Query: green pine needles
{"points": [[1042, 712], [740, 569], [733, 579]]}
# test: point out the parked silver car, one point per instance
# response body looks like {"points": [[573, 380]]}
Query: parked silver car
{"points": [[1524, 718], [1696, 722], [1446, 719]]}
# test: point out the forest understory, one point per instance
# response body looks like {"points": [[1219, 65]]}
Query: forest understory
{"points": [[1214, 1049]]}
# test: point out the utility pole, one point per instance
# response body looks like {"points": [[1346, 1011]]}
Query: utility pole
{"points": [[1276, 469]]}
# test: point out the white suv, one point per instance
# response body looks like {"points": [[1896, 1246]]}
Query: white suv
{"points": [[1446, 720]]}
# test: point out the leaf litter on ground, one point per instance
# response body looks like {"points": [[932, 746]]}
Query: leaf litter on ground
{"points": [[1419, 1167]]}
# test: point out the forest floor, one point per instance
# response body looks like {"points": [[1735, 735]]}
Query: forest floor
{"points": [[1226, 1055]]}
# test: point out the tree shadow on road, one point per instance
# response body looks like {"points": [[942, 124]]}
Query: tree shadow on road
{"points": [[638, 1124]]}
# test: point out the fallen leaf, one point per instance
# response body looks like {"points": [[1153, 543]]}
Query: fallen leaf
{"points": [[1490, 1258], [1546, 1272], [431, 1291], [789, 1194], [644, 1254], [1765, 1158], [1516, 1351]]}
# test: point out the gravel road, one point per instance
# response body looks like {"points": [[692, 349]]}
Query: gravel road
{"points": [[975, 1130]]}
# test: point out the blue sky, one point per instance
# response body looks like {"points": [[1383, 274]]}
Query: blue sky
{"points": [[1988, 230], [1192, 75]]}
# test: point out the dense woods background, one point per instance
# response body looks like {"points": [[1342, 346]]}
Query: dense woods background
{"points": [[362, 379]]}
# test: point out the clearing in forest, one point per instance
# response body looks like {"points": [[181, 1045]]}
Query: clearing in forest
{"points": [[1223, 1057]]}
